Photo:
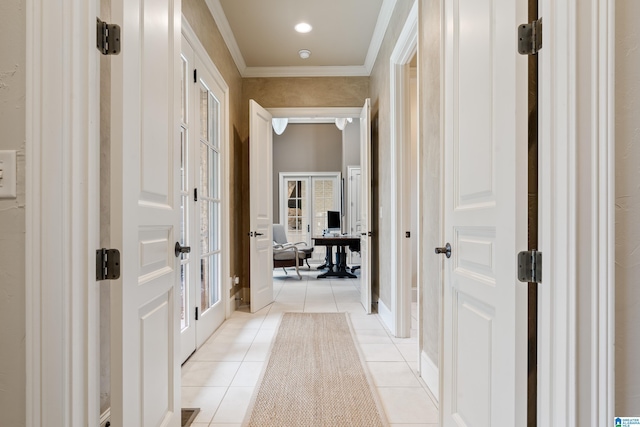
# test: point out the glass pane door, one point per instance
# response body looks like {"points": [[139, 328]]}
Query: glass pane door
{"points": [[209, 200], [297, 212], [185, 320]]}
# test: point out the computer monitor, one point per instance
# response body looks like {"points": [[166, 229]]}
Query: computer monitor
{"points": [[333, 221]]}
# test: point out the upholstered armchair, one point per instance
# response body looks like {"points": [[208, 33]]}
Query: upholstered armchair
{"points": [[287, 257], [280, 238]]}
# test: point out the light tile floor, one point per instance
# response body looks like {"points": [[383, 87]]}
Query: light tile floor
{"points": [[220, 378]]}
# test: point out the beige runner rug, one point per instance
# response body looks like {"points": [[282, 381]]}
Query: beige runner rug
{"points": [[315, 377]]}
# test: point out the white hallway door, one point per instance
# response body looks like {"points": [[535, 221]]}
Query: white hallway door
{"points": [[202, 169], [145, 214], [261, 209], [365, 213], [485, 215], [354, 200]]}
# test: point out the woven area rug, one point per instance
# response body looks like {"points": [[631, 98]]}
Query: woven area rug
{"points": [[315, 377]]}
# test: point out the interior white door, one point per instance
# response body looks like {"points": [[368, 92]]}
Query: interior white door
{"points": [[365, 213], [354, 201], [485, 188], [261, 208], [145, 214]]}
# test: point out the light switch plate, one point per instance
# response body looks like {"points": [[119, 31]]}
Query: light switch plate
{"points": [[7, 174]]}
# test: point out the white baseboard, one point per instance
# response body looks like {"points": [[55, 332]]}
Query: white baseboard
{"points": [[104, 417], [430, 374], [386, 316]]}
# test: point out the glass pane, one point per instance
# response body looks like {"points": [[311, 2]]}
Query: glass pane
{"points": [[204, 227], [205, 282], [184, 223], [215, 226], [215, 174], [184, 279], [204, 169], [210, 280], [214, 294], [183, 159], [204, 114], [296, 214], [184, 89], [213, 121]]}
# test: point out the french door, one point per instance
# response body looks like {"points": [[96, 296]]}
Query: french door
{"points": [[305, 199], [202, 168]]}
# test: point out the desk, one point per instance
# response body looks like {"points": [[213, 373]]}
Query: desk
{"points": [[341, 242]]}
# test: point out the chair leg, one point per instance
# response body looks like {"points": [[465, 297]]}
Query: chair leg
{"points": [[285, 271], [307, 261], [298, 262]]}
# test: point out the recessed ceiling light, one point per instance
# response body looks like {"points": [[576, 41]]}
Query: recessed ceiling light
{"points": [[303, 27], [304, 53]]}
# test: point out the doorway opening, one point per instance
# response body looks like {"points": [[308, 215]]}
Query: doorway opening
{"points": [[405, 181]]}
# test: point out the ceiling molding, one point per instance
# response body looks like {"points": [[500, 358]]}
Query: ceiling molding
{"points": [[225, 29], [320, 71], [386, 11], [384, 17], [314, 114]]}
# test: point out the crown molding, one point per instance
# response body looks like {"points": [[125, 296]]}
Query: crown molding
{"points": [[320, 71], [314, 114], [384, 17], [225, 29], [386, 11]]}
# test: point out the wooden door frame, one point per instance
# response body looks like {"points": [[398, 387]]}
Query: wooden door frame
{"points": [[399, 320], [63, 214]]}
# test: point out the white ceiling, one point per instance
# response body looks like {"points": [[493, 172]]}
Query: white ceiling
{"points": [[345, 39]]}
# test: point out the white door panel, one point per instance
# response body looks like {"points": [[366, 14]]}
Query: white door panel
{"points": [[260, 166], [145, 205], [365, 214], [484, 353]]}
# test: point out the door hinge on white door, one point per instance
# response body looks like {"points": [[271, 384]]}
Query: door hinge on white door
{"points": [[108, 38], [107, 264], [530, 37], [530, 266]]}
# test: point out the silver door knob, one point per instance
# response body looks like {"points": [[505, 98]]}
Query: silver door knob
{"points": [[446, 250]]}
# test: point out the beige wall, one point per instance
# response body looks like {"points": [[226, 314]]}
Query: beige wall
{"points": [[12, 216], [285, 92], [380, 112], [627, 209], [305, 148]]}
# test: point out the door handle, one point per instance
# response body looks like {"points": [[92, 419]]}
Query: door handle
{"points": [[179, 249], [258, 234], [446, 250]]}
